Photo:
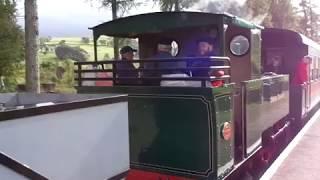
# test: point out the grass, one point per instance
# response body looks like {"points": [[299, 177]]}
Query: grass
{"points": [[102, 50], [66, 84], [76, 42]]}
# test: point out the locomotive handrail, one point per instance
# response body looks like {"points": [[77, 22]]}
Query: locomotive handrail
{"points": [[160, 78], [153, 69], [175, 59], [223, 64]]}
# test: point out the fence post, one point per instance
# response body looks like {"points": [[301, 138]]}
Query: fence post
{"points": [[79, 76], [114, 75]]}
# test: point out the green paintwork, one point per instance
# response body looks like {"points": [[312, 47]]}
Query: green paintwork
{"points": [[255, 53], [159, 22], [171, 132], [241, 22], [268, 94], [223, 111], [176, 130]]}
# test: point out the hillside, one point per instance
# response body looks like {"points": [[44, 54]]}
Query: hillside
{"points": [[76, 42], [60, 72]]}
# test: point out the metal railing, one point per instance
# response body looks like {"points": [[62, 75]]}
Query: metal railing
{"points": [[154, 73], [20, 168]]}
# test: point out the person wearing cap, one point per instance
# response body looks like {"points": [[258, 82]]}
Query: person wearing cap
{"points": [[128, 68], [301, 73], [206, 48], [163, 51]]}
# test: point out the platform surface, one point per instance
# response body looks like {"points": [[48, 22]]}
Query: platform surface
{"points": [[301, 159]]}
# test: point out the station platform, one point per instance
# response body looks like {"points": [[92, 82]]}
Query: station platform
{"points": [[301, 159]]}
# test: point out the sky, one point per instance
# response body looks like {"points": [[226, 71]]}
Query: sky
{"points": [[73, 17], [62, 18], [315, 2]]}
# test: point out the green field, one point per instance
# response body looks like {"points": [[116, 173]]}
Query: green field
{"points": [[49, 63], [76, 42]]}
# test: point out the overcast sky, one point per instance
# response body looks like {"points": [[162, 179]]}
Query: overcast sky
{"points": [[73, 17]]}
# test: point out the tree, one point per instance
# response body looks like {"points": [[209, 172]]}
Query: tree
{"points": [[270, 13], [64, 52], [11, 46], [43, 46], [85, 40], [257, 7], [310, 20], [257, 11], [48, 72], [119, 6], [175, 5], [232, 7], [103, 42], [62, 42], [44, 40], [253, 10], [31, 48], [128, 42], [276, 18], [116, 5]]}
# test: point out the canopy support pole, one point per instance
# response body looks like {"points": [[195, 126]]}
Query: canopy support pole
{"points": [[95, 39]]}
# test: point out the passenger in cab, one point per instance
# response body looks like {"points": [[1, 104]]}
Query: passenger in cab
{"points": [[126, 69], [163, 50], [164, 69], [205, 48], [301, 73]]}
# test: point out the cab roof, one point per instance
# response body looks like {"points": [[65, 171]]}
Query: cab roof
{"points": [[287, 37], [158, 22]]}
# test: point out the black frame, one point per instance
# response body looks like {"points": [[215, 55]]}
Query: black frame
{"points": [[244, 54]]}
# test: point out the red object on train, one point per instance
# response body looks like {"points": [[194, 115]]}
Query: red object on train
{"points": [[219, 73], [143, 175], [218, 83], [301, 73], [104, 83]]}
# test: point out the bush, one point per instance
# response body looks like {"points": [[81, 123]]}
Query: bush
{"points": [[44, 40], [85, 40], [47, 72], [66, 52], [103, 42], [62, 42], [60, 71], [106, 56]]}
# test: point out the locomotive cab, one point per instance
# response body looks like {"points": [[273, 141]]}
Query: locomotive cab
{"points": [[180, 130], [254, 93], [191, 129]]}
